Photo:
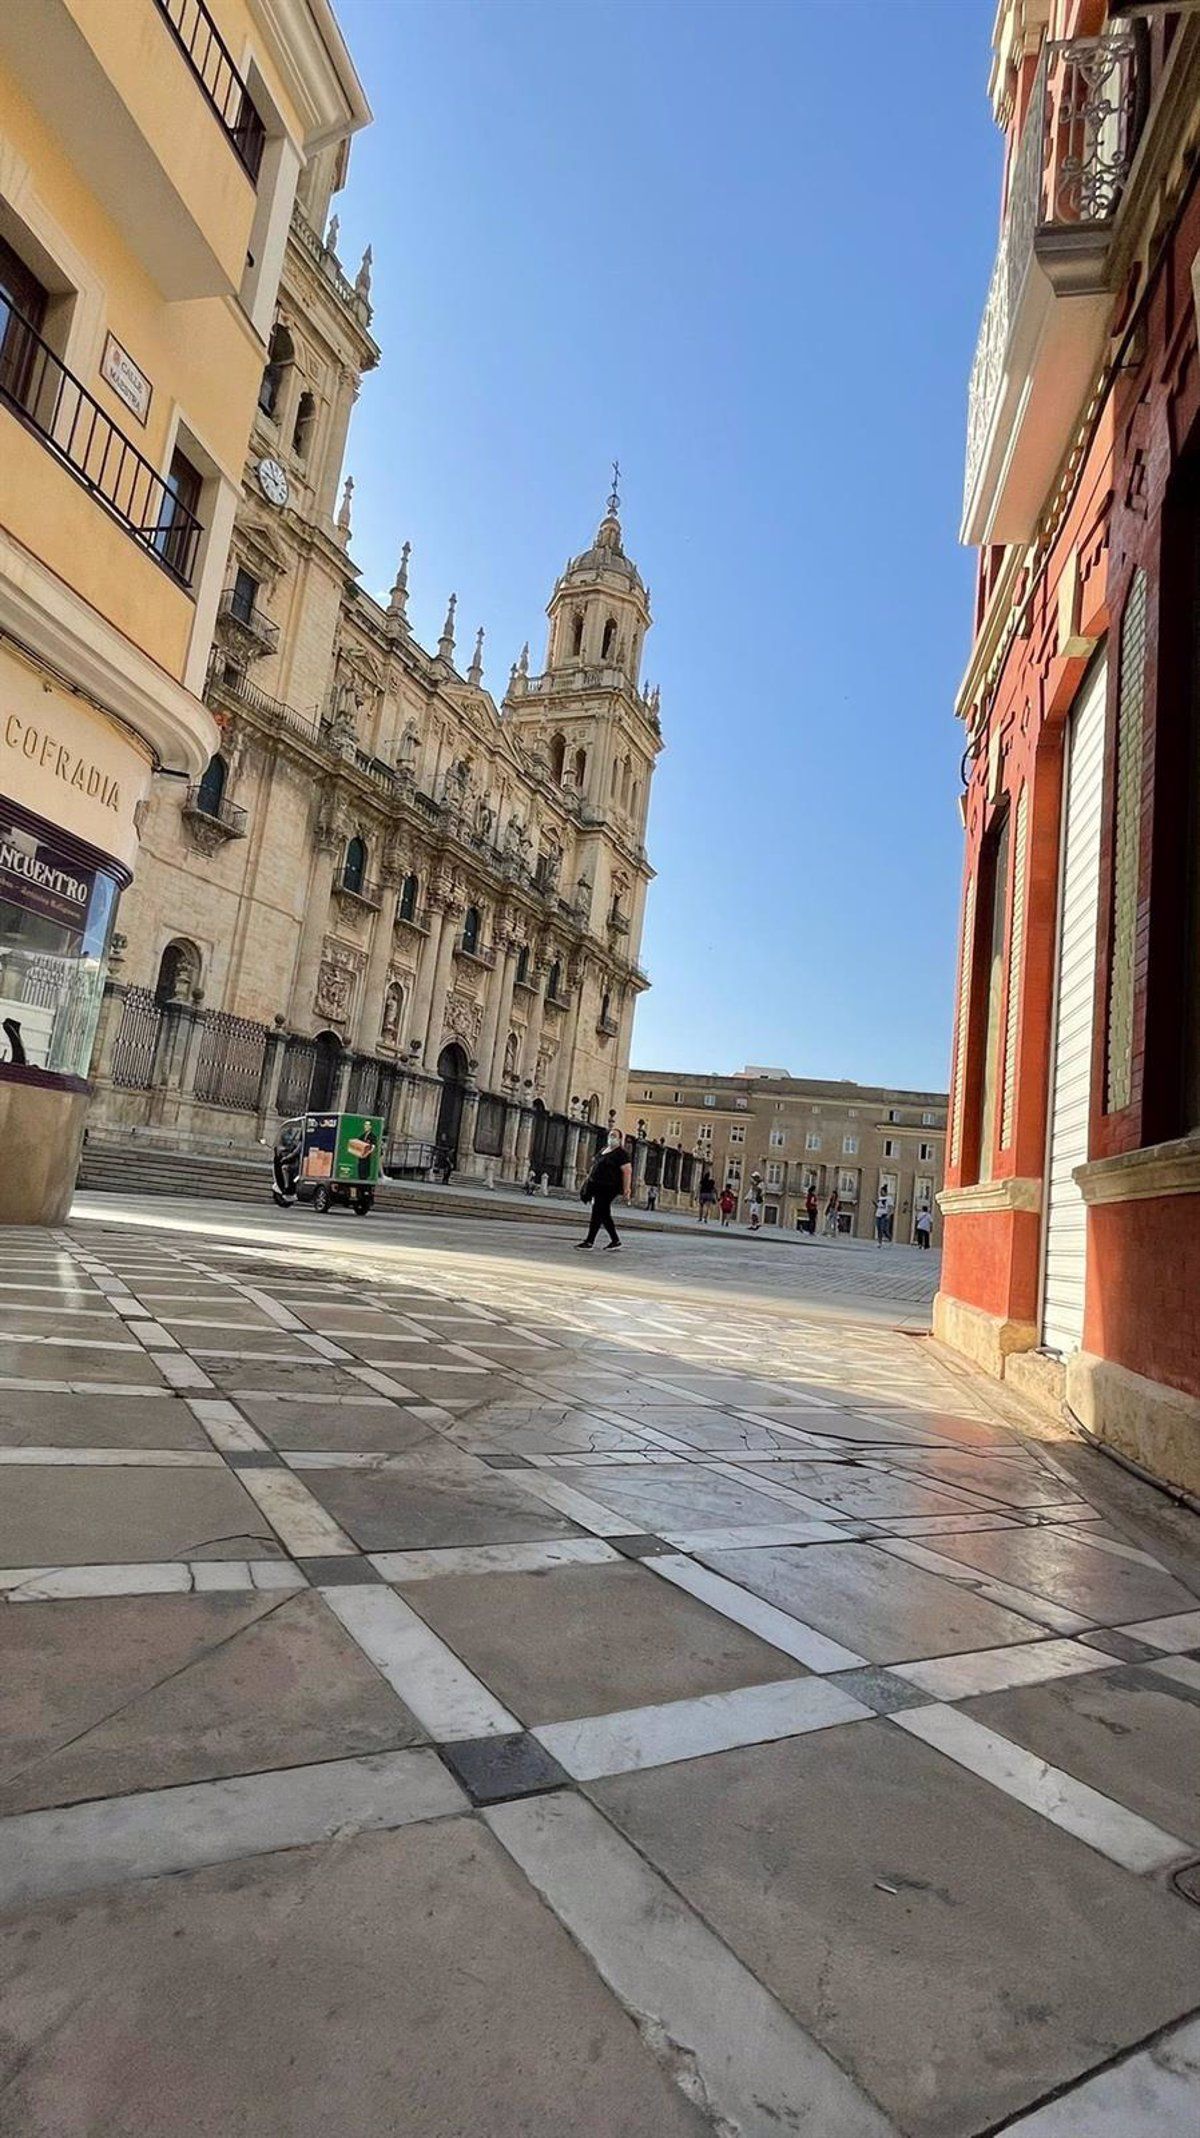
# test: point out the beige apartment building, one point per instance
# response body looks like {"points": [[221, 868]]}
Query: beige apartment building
{"points": [[388, 889], [797, 1133], [149, 153]]}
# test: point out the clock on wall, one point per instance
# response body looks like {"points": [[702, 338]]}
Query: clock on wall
{"points": [[273, 482]]}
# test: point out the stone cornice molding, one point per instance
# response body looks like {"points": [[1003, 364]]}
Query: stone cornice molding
{"points": [[1159, 1169], [1018, 1192]]}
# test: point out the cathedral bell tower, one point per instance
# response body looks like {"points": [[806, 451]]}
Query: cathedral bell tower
{"points": [[599, 611]]}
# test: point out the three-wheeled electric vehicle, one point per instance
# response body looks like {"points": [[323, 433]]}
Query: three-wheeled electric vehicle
{"points": [[325, 1159]]}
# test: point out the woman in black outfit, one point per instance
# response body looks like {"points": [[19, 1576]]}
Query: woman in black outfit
{"points": [[609, 1178]]}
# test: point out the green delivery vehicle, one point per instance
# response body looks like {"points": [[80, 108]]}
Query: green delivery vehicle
{"points": [[325, 1159]]}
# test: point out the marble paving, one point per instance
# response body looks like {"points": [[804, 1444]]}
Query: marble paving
{"points": [[444, 1689]]}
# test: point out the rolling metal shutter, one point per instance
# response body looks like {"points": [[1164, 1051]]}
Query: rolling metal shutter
{"points": [[1075, 994]]}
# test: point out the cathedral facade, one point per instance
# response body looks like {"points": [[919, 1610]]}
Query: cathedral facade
{"points": [[388, 891]]}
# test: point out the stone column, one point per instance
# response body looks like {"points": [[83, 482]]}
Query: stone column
{"points": [[441, 986], [533, 1030], [469, 1161], [524, 1141], [571, 1156], [268, 1083], [312, 937], [494, 1036], [370, 1015], [112, 1011], [639, 1168], [564, 1066], [423, 992], [512, 1131]]}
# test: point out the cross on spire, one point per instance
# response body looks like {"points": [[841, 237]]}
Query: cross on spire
{"points": [[614, 495]]}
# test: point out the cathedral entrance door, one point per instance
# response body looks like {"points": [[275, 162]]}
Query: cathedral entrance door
{"points": [[453, 1070]]}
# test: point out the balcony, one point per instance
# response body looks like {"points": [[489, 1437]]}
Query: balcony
{"points": [[52, 403], [226, 682], [242, 626], [224, 91], [360, 897], [213, 814], [607, 1026], [476, 954], [1048, 307], [618, 922], [324, 257]]}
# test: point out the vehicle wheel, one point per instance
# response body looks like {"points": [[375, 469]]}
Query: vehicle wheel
{"points": [[362, 1202], [321, 1200]]}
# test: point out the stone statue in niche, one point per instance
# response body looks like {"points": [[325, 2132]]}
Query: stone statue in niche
{"points": [[406, 754], [393, 1008]]}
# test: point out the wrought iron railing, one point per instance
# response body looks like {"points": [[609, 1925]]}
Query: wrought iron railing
{"points": [[211, 62], [36, 385], [365, 890], [136, 1042], [229, 1063], [216, 810], [1072, 162], [245, 620], [225, 679]]}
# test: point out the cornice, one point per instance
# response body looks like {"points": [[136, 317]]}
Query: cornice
{"points": [[1018, 1192], [1160, 1169]]}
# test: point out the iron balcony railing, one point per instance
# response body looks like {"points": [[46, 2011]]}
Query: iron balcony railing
{"points": [[1072, 161], [53, 403], [210, 60], [366, 891], [224, 680], [229, 815], [245, 621]]}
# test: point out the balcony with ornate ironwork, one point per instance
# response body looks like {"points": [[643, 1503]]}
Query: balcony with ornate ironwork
{"points": [[212, 814], [1049, 302], [242, 626]]}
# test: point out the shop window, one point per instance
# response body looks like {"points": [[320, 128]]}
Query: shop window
{"points": [[56, 914]]}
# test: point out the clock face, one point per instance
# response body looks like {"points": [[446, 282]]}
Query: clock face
{"points": [[273, 482]]}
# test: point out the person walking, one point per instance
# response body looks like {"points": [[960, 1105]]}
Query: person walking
{"points": [[609, 1178], [883, 1218], [727, 1205], [708, 1197], [831, 1215], [924, 1225], [810, 1213], [652, 1196], [754, 1212]]}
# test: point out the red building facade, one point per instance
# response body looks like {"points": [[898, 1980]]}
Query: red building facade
{"points": [[1072, 1206]]}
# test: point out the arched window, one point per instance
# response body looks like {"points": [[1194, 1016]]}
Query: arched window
{"points": [[178, 972], [634, 797], [281, 352], [211, 792], [593, 1108], [558, 757], [554, 983], [409, 893], [609, 640], [523, 966], [614, 776], [470, 934], [577, 633], [626, 781], [605, 1010], [580, 767], [354, 867], [302, 430]]}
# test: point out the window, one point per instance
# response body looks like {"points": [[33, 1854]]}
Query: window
{"points": [[891, 1147], [178, 529], [852, 1113], [771, 1214], [737, 1132], [609, 640], [779, 1106], [849, 1146], [927, 1121], [354, 867], [847, 1184], [244, 595], [893, 1115], [814, 1109], [302, 429], [580, 768], [577, 633], [211, 791], [554, 984], [704, 1135], [733, 1172], [558, 758], [409, 893], [774, 1173], [778, 1139], [647, 1094], [710, 1098], [606, 1009], [523, 966], [281, 352], [677, 1095], [743, 1105], [22, 314], [674, 1131], [925, 1152], [812, 1142], [470, 934]]}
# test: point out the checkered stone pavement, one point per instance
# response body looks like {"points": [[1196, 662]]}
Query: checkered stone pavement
{"points": [[373, 1618]]}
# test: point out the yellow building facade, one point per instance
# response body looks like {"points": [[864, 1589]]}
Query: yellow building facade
{"points": [[149, 158]]}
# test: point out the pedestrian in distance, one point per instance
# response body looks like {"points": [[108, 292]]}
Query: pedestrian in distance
{"points": [[652, 1197], [810, 1213], [831, 1216], [883, 1218], [924, 1225], [755, 1209], [727, 1206], [708, 1197], [609, 1178]]}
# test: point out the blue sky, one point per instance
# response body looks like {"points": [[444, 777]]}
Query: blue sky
{"points": [[744, 248]]}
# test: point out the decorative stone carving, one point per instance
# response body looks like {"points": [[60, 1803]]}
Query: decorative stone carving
{"points": [[463, 1019], [337, 981]]}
